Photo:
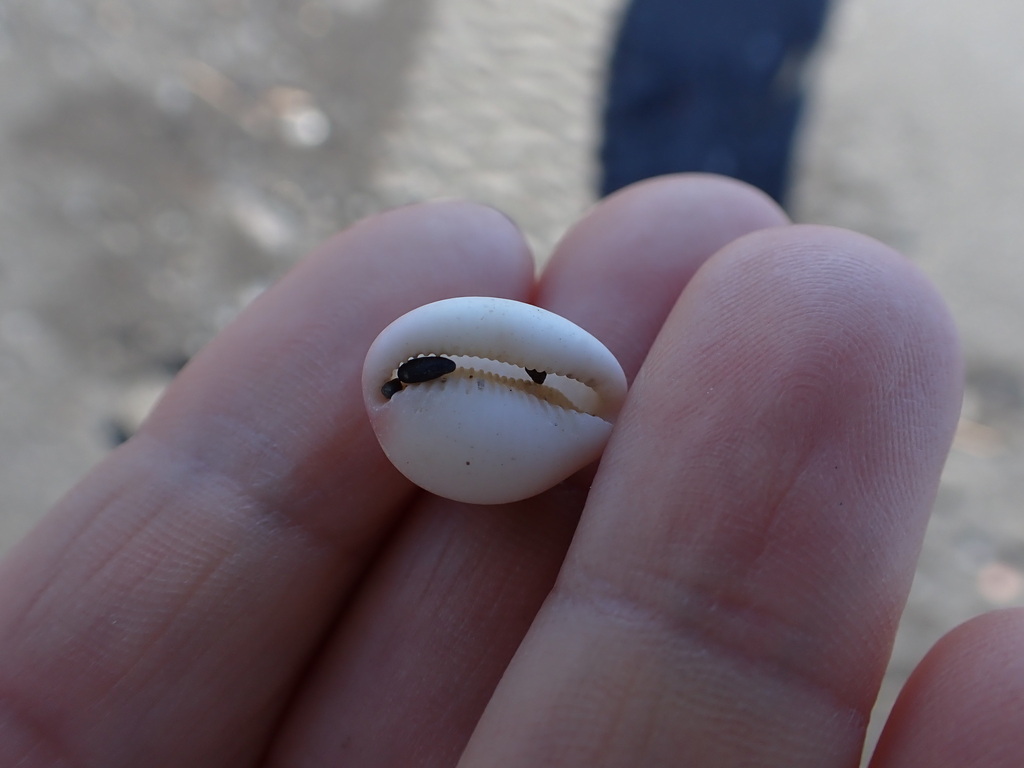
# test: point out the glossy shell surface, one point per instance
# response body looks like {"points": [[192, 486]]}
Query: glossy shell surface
{"points": [[488, 432]]}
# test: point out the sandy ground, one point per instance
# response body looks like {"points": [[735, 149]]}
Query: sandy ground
{"points": [[159, 167]]}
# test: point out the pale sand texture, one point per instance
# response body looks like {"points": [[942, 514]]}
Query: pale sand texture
{"points": [[158, 167]]}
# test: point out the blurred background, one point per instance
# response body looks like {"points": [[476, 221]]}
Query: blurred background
{"points": [[162, 161]]}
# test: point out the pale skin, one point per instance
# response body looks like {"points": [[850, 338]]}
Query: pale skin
{"points": [[248, 581]]}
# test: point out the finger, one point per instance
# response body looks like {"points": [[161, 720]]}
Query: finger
{"points": [[621, 269], [414, 663], [161, 614], [962, 705], [732, 590]]}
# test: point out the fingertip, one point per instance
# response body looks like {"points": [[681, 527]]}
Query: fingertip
{"points": [[811, 275], [721, 192], [469, 237], [666, 215], [962, 705], [621, 268], [319, 319]]}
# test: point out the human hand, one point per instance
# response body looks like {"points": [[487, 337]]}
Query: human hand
{"points": [[248, 581]]}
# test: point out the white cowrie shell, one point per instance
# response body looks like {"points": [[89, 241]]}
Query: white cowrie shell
{"points": [[488, 432]]}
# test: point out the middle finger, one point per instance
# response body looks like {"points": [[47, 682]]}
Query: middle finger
{"points": [[444, 610]]}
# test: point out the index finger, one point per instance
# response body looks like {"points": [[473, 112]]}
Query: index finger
{"points": [[181, 588]]}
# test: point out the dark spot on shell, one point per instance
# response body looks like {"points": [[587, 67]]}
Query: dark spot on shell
{"points": [[537, 376], [421, 369], [392, 387]]}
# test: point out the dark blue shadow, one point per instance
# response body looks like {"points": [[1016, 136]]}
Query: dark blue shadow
{"points": [[708, 85]]}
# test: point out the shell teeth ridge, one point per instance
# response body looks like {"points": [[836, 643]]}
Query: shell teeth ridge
{"points": [[458, 350], [466, 380]]}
